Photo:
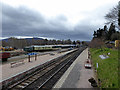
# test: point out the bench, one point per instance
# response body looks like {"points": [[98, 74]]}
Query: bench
{"points": [[13, 64]]}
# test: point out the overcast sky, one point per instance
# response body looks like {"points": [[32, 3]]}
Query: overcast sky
{"points": [[59, 19]]}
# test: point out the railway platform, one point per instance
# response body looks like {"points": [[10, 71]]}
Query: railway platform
{"points": [[76, 76], [9, 72]]}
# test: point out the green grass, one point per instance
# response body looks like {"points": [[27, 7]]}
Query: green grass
{"points": [[107, 70]]}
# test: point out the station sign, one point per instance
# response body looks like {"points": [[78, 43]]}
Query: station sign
{"points": [[32, 54]]}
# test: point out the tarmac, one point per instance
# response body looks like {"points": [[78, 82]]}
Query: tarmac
{"points": [[76, 76], [8, 72]]}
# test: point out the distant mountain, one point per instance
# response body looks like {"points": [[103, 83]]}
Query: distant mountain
{"points": [[21, 42], [34, 38], [29, 39], [6, 40]]}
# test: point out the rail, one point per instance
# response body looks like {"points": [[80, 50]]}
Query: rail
{"points": [[67, 64], [51, 69]]}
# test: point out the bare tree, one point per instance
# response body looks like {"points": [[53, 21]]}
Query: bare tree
{"points": [[119, 13], [96, 43], [112, 16]]}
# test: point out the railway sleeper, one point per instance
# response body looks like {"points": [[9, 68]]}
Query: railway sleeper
{"points": [[20, 86], [29, 81], [54, 75], [34, 78], [25, 84]]}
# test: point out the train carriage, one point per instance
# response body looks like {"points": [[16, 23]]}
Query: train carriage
{"points": [[29, 49], [46, 47], [37, 48]]}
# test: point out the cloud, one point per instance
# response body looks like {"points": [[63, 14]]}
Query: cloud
{"points": [[22, 21]]}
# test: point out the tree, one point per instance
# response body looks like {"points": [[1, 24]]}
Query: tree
{"points": [[104, 33], [115, 36], [111, 31], [96, 43], [74, 42], [59, 42], [54, 41], [68, 41], [45, 41], [4, 43], [84, 43], [63, 42], [119, 13], [78, 42], [113, 16]]}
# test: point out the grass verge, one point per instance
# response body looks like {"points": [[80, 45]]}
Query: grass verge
{"points": [[107, 70]]}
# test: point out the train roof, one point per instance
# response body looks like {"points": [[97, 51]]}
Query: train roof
{"points": [[41, 46], [51, 45]]}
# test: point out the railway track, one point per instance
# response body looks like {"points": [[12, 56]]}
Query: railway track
{"points": [[47, 76]]}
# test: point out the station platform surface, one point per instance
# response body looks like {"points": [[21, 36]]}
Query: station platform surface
{"points": [[76, 76], [8, 72]]}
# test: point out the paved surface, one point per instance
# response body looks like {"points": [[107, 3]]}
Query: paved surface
{"points": [[8, 72], [76, 76]]}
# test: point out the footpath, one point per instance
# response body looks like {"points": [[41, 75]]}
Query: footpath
{"points": [[77, 75]]}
